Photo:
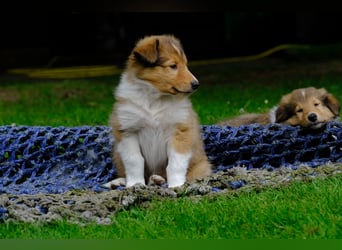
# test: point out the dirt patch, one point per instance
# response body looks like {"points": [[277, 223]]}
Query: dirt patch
{"points": [[9, 95]]}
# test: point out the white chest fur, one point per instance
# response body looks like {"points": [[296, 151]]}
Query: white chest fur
{"points": [[151, 117]]}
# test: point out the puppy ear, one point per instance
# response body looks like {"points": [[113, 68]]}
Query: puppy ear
{"points": [[284, 112], [147, 54], [332, 103]]}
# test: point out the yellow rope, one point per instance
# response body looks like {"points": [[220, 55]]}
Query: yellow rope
{"points": [[103, 70], [252, 57], [67, 72]]}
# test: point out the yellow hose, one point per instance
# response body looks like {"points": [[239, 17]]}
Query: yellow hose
{"points": [[251, 57], [103, 70], [67, 72]]}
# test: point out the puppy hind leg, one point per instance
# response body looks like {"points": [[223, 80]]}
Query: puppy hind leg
{"points": [[199, 170]]}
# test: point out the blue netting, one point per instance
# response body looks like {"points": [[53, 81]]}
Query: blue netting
{"points": [[270, 147], [41, 159], [54, 159]]}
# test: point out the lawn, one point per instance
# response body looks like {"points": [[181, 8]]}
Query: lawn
{"points": [[305, 210]]}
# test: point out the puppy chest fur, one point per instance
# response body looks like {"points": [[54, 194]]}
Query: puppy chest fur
{"points": [[152, 121]]}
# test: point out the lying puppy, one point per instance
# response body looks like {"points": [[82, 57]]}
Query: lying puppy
{"points": [[308, 107], [156, 131]]}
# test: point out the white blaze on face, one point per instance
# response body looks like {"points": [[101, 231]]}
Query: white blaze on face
{"points": [[177, 50], [303, 93]]}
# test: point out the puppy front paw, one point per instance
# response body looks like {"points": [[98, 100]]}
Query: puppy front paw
{"points": [[115, 183]]}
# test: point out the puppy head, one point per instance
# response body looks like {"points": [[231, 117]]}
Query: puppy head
{"points": [[308, 107], [161, 61]]}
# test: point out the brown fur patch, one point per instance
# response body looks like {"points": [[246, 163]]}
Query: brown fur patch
{"points": [[161, 61]]}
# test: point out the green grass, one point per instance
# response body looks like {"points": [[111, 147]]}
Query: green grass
{"points": [[225, 91], [287, 213], [56, 103], [303, 210], [300, 211]]}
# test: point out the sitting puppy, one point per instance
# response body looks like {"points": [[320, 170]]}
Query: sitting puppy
{"points": [[308, 107], [156, 131]]}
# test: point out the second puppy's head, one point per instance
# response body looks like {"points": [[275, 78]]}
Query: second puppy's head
{"points": [[161, 61], [308, 107]]}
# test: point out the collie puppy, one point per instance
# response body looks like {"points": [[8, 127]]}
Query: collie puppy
{"points": [[307, 107], [156, 131]]}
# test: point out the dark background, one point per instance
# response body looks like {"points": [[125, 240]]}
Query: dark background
{"points": [[76, 37]]}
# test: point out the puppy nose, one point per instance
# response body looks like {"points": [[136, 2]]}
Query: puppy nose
{"points": [[312, 117], [195, 85]]}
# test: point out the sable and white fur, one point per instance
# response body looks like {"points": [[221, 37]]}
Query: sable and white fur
{"points": [[156, 131], [307, 107]]}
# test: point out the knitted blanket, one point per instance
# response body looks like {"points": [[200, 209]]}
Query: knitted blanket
{"points": [[43, 159]]}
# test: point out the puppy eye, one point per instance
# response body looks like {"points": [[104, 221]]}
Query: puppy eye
{"points": [[173, 66], [316, 104], [299, 110]]}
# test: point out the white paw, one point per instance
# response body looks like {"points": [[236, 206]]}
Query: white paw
{"points": [[132, 182], [175, 179], [175, 184], [115, 183]]}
